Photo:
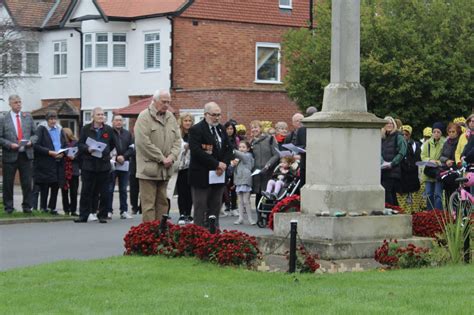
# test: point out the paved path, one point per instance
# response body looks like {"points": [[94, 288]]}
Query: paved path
{"points": [[36, 243]]}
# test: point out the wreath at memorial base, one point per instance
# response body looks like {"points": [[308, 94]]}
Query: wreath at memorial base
{"points": [[286, 205]]}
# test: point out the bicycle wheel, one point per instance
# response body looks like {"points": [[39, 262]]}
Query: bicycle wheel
{"points": [[458, 206]]}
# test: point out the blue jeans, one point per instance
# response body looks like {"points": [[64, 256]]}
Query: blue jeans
{"points": [[434, 194], [123, 183]]}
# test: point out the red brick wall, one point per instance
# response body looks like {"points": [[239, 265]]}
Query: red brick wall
{"points": [[243, 106], [215, 61], [219, 54]]}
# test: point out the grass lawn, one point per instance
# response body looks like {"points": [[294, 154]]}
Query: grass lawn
{"points": [[20, 214], [139, 285]]}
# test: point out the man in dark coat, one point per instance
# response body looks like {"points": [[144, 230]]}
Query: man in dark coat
{"points": [[95, 164], [125, 150], [49, 163], [17, 131], [211, 151]]}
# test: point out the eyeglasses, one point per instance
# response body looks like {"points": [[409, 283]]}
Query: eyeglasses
{"points": [[214, 115]]}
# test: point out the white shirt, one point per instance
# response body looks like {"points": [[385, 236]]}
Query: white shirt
{"points": [[13, 115]]}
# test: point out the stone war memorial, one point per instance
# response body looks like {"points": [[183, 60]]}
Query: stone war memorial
{"points": [[343, 162]]}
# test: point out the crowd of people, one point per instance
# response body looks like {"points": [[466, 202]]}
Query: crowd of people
{"points": [[206, 163], [433, 160]]}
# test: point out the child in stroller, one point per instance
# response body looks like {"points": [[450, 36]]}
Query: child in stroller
{"points": [[289, 188], [283, 174]]}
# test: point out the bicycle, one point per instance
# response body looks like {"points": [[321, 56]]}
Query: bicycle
{"points": [[461, 204]]}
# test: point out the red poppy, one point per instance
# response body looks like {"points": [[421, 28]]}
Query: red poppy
{"points": [[105, 136]]}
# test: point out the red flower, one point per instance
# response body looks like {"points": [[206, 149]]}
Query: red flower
{"points": [[105, 135], [288, 204]]}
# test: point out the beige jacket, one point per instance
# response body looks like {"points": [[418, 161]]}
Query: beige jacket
{"points": [[155, 139]]}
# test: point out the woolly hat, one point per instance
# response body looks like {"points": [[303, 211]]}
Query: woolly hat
{"points": [[427, 132], [407, 128], [438, 125]]}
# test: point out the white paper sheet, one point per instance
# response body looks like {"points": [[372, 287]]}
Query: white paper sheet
{"points": [[284, 153], [122, 167], [294, 148], [426, 163], [72, 151], [256, 172], [95, 145], [23, 142], [216, 179], [385, 165], [62, 150]]}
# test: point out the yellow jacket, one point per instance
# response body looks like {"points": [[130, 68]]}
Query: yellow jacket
{"points": [[461, 144]]}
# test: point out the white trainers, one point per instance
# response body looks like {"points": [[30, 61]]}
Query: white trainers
{"points": [[234, 213], [238, 222], [182, 220], [92, 217], [125, 215], [109, 215], [223, 213]]}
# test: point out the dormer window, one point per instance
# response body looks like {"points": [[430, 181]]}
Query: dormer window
{"points": [[286, 4]]}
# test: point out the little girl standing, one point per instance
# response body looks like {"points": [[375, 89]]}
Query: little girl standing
{"points": [[242, 167]]}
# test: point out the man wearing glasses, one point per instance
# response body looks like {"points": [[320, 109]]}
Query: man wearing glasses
{"points": [[211, 152], [157, 143]]}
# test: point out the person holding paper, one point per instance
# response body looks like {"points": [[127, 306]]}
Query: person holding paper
{"points": [[71, 175], [394, 148], [17, 131], [211, 152], [95, 143], [49, 162], [157, 144], [124, 148]]}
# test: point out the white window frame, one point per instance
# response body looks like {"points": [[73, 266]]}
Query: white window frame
{"points": [[60, 54], [198, 114], [286, 6], [110, 43], [154, 42], [34, 53], [268, 45]]}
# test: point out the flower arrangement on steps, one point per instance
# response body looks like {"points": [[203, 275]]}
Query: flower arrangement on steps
{"points": [[286, 205], [393, 255]]}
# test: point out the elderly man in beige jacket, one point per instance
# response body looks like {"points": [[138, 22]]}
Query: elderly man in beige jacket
{"points": [[157, 141]]}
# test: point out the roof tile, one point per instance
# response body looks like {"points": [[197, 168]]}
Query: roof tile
{"points": [[138, 8]]}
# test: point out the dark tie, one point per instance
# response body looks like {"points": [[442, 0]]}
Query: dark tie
{"points": [[216, 138]]}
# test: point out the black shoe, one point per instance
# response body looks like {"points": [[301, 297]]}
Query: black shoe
{"points": [[44, 210], [80, 220], [102, 220], [73, 214], [9, 211], [66, 213], [54, 212], [27, 211]]}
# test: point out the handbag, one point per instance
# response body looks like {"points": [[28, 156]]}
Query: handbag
{"points": [[431, 171]]}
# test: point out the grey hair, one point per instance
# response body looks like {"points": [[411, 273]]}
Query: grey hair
{"points": [[209, 106], [297, 115], [311, 110], [281, 124], [14, 97], [51, 114], [156, 95], [96, 109]]}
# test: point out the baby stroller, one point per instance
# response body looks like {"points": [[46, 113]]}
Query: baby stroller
{"points": [[265, 205]]}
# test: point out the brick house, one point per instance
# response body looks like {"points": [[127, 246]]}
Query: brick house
{"points": [[229, 52]]}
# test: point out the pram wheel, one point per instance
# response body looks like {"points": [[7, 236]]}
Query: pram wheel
{"points": [[261, 221]]}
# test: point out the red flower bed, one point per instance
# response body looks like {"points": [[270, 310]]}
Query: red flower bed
{"points": [[429, 223], [394, 255], [305, 261], [288, 204], [226, 248]]}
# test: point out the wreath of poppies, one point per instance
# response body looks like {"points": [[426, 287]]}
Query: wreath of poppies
{"points": [[286, 205]]}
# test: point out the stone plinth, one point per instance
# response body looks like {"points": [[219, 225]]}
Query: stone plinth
{"points": [[341, 238], [343, 158]]}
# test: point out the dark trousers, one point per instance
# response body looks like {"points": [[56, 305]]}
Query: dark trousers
{"points": [[391, 186], [94, 184], [45, 188], [230, 196], [123, 184], [24, 166], [185, 197], [70, 195], [257, 199], [35, 196], [134, 193], [207, 202]]}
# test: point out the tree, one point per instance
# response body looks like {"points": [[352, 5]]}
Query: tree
{"points": [[416, 59]]}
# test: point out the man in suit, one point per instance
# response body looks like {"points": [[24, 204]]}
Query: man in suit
{"points": [[16, 126], [210, 151]]}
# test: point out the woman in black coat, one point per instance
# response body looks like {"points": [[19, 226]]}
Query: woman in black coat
{"points": [[447, 158], [410, 181], [48, 163]]}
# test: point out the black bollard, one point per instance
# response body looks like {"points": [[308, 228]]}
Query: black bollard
{"points": [[467, 241], [293, 231], [163, 226], [212, 224]]}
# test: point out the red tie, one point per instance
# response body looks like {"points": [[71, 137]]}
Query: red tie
{"points": [[19, 130]]}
